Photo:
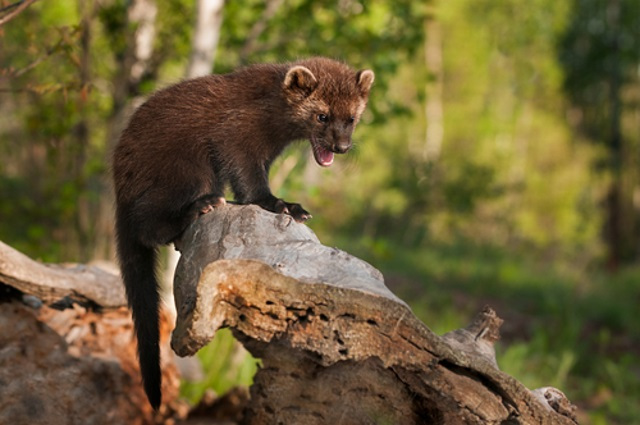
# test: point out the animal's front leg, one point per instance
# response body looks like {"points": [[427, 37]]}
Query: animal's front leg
{"points": [[253, 188]]}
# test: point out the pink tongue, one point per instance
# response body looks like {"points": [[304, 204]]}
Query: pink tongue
{"points": [[323, 156]]}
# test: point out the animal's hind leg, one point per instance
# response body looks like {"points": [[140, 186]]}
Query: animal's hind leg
{"points": [[203, 205], [206, 204], [200, 206]]}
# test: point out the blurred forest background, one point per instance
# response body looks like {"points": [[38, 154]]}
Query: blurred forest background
{"points": [[498, 162]]}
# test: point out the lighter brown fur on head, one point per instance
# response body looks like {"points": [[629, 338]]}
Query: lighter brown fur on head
{"points": [[329, 98]]}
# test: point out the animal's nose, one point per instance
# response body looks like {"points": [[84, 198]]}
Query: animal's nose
{"points": [[342, 147]]}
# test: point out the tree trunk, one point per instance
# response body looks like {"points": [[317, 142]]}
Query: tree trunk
{"points": [[84, 223], [206, 34]]}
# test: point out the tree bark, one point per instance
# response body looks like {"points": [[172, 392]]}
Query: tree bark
{"points": [[617, 235], [336, 345], [51, 283], [68, 350]]}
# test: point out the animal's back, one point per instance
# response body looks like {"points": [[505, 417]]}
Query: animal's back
{"points": [[185, 135]]}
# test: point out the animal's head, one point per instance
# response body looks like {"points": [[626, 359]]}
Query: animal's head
{"points": [[328, 99]]}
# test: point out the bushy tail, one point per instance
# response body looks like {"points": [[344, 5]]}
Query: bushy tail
{"points": [[137, 263]]}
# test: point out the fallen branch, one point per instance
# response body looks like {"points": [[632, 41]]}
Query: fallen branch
{"points": [[52, 283], [18, 7]]}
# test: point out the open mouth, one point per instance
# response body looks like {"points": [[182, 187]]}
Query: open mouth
{"points": [[323, 156]]}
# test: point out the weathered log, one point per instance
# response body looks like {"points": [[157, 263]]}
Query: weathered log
{"points": [[51, 282], [73, 364], [336, 346]]}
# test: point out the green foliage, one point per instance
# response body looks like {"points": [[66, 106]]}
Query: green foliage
{"points": [[227, 365], [376, 33], [43, 146], [510, 170], [601, 40], [600, 52]]}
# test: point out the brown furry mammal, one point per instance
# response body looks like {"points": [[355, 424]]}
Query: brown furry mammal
{"points": [[188, 141]]}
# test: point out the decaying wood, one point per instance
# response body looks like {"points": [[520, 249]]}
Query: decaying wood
{"points": [[75, 366], [51, 283], [75, 363], [336, 346]]}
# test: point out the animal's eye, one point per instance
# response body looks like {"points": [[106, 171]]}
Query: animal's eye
{"points": [[323, 118], [351, 120]]}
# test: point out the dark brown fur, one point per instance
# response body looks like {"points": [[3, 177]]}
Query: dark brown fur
{"points": [[188, 141]]}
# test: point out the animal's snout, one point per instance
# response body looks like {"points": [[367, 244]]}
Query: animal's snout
{"points": [[342, 147]]}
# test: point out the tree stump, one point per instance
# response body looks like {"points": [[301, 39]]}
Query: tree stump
{"points": [[337, 347]]}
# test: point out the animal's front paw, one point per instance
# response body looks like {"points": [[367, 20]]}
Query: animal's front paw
{"points": [[296, 211]]}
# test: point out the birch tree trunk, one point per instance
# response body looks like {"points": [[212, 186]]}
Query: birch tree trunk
{"points": [[206, 34]]}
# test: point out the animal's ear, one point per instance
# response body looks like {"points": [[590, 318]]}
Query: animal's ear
{"points": [[365, 79], [300, 78]]}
